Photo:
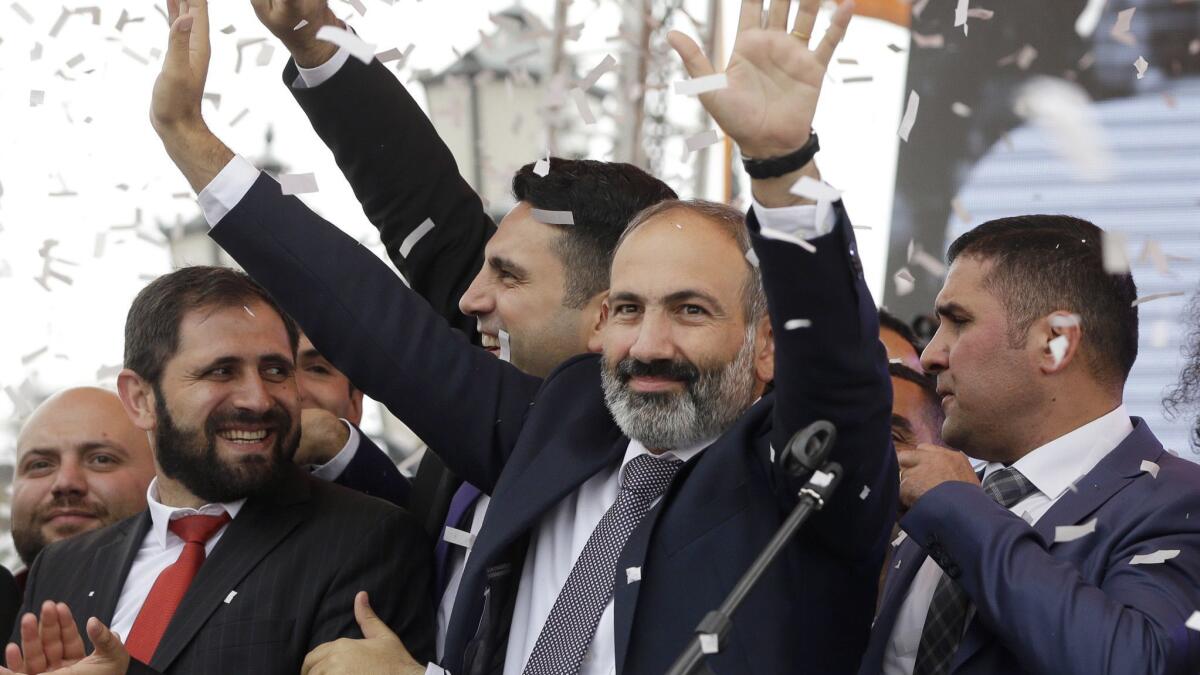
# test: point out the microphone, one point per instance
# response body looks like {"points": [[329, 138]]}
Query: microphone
{"points": [[808, 449]]}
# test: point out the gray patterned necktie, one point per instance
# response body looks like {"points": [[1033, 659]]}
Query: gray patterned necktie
{"points": [[947, 618], [576, 612]]}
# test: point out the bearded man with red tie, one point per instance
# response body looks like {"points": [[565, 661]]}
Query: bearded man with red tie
{"points": [[242, 562]]}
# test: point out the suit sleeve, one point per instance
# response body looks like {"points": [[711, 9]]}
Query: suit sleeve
{"points": [[1132, 622], [394, 565], [372, 472], [402, 174], [387, 340], [833, 368]]}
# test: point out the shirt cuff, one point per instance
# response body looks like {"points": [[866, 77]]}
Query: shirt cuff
{"points": [[332, 470], [227, 189], [799, 221], [315, 77]]}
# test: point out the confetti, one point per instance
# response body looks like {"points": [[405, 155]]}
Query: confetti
{"points": [[1193, 621], [784, 236], [752, 257], [125, 20], [1120, 30], [581, 102], [899, 538], [302, 24], [21, 12], [36, 98], [960, 109], [910, 115], [633, 574], [701, 85], [793, 324], [709, 643], [904, 282], [858, 78], [415, 236], [960, 15], [927, 262], [1069, 533], [542, 167], [1155, 558], [358, 6], [980, 13], [1064, 111], [229, 598], [1156, 296], [929, 41], [1058, 348], [457, 537], [33, 356], [1149, 467], [229, 30], [297, 183], [347, 40], [865, 492], [394, 54], [1065, 320], [505, 346], [820, 192], [1140, 66], [895, 48], [702, 139], [608, 64], [247, 310], [553, 217]]}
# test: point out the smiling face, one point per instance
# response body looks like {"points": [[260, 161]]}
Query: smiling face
{"points": [[81, 465], [681, 361], [520, 290], [989, 387], [226, 412]]}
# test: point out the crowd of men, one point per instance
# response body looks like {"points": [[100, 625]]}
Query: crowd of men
{"points": [[609, 405]]}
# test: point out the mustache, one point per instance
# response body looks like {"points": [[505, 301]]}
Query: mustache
{"points": [[684, 371], [275, 417], [70, 503]]}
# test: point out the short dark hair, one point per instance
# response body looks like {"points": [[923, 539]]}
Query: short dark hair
{"points": [[603, 197], [733, 222], [893, 323], [928, 384], [1047, 263], [152, 325]]}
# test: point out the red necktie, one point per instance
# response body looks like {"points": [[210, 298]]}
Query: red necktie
{"points": [[171, 584]]}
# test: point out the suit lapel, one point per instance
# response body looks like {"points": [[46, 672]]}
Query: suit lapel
{"points": [[262, 523], [113, 562], [906, 561], [1110, 476]]}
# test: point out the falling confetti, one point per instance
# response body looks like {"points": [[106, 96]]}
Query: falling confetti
{"points": [[1069, 533], [1155, 558], [910, 115], [701, 85], [297, 183]]}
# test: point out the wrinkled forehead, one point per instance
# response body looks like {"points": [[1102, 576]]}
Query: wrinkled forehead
{"points": [[679, 249], [249, 331]]}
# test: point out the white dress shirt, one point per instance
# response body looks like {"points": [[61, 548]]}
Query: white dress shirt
{"points": [[553, 550], [1053, 469], [159, 550], [456, 558]]}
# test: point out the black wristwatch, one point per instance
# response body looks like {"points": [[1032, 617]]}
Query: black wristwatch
{"points": [[773, 167]]}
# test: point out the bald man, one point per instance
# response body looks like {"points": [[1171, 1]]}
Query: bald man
{"points": [[81, 465]]}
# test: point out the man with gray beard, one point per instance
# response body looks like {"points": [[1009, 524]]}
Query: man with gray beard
{"points": [[630, 490]]}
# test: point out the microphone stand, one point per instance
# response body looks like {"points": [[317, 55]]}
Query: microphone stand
{"points": [[804, 458]]}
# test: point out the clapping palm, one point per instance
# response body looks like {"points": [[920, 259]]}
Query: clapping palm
{"points": [[774, 79]]}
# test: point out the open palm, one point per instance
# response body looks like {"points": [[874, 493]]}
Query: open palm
{"points": [[774, 79]]}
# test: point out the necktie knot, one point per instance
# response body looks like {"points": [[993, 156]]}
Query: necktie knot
{"points": [[197, 529], [648, 476], [1008, 487]]}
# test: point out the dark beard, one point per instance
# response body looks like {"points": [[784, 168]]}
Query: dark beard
{"points": [[29, 538], [190, 455]]}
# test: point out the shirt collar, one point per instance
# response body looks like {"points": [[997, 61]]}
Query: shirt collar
{"points": [[1057, 465], [161, 515], [682, 454]]}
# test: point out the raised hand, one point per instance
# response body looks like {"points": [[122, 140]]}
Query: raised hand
{"points": [[282, 17], [379, 651], [179, 88], [774, 78], [54, 645]]}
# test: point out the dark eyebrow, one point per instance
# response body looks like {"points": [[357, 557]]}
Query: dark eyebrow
{"points": [[950, 308], [692, 294], [275, 358], [311, 354], [219, 362], [626, 296], [500, 263], [902, 422]]}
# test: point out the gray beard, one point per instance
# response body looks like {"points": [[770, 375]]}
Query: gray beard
{"points": [[672, 421]]}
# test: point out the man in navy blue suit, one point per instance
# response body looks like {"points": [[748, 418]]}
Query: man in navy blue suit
{"points": [[1075, 550], [630, 490]]}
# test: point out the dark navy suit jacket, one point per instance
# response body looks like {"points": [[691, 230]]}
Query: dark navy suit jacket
{"points": [[1067, 608], [373, 473], [531, 442]]}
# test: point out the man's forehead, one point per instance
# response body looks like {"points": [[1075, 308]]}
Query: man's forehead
{"points": [[249, 331]]}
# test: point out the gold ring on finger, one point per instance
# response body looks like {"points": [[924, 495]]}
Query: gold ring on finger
{"points": [[803, 36]]}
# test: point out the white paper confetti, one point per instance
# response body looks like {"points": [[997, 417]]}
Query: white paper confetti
{"points": [[1121, 29], [553, 217], [1156, 296], [1058, 348], [1149, 467], [1065, 320], [341, 37], [793, 324], [752, 257], [229, 598], [36, 98], [21, 12], [701, 139], [606, 65], [302, 24], [905, 283], [899, 539], [633, 574], [778, 235], [701, 85], [910, 115], [1155, 558], [1193, 621], [457, 537], [505, 346], [960, 15], [816, 190], [709, 643], [248, 310], [580, 98], [1068, 533], [1116, 260], [1140, 66], [413, 237], [542, 167], [297, 183], [960, 109], [866, 491]]}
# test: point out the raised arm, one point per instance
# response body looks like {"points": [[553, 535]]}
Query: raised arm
{"points": [[829, 363], [382, 335], [400, 170]]}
